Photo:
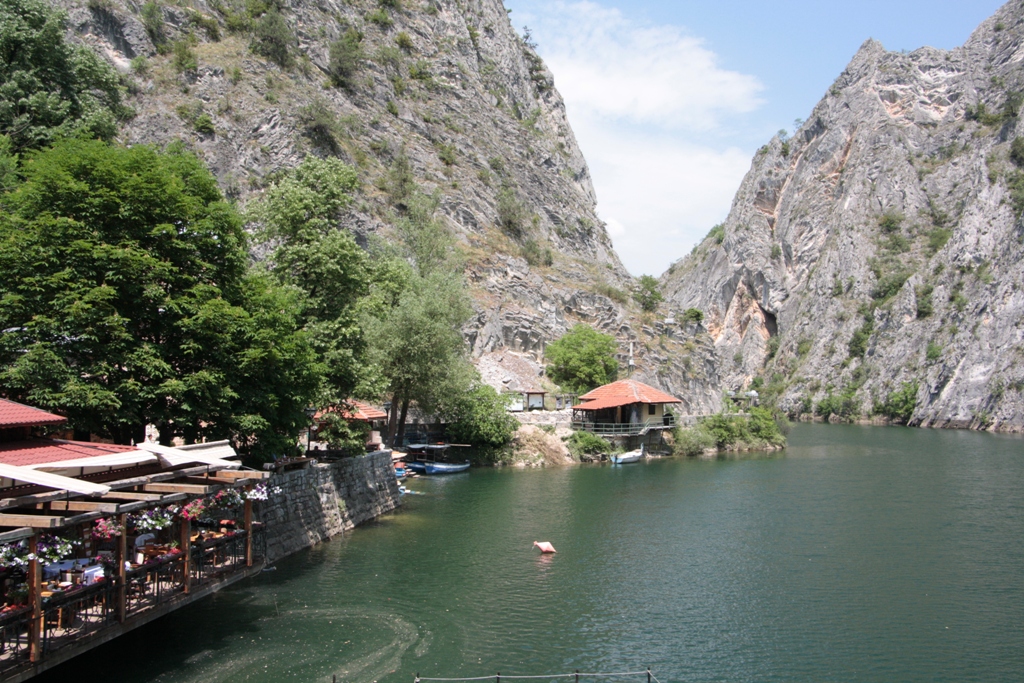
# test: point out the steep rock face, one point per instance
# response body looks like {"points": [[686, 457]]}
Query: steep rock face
{"points": [[447, 84], [882, 244]]}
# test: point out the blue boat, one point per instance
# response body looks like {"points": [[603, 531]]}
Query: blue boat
{"points": [[416, 466], [446, 467]]}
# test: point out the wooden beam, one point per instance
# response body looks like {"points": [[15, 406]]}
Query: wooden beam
{"points": [[34, 521], [16, 534], [82, 506], [243, 474], [143, 504], [131, 495], [34, 578], [195, 489]]}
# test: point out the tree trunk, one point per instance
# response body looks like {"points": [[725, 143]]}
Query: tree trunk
{"points": [[401, 421], [393, 420]]}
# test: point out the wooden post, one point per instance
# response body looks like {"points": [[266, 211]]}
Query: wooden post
{"points": [[122, 573], [186, 555], [35, 600], [248, 532]]}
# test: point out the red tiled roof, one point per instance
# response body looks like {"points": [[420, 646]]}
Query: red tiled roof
{"points": [[623, 393], [39, 451], [363, 412], [19, 415]]}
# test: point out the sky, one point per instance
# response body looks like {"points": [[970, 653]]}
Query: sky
{"points": [[670, 100]]}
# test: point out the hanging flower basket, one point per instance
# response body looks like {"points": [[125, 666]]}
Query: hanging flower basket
{"points": [[106, 529], [154, 519], [261, 492], [224, 500], [193, 510]]}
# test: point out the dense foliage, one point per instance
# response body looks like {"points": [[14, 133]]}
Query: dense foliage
{"points": [[648, 293], [479, 417], [51, 89], [759, 429], [126, 300], [584, 443], [582, 359], [899, 405]]}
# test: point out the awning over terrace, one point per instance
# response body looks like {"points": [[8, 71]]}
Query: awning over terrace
{"points": [[50, 480]]}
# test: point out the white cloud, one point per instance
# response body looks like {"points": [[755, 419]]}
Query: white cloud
{"points": [[659, 195], [650, 107], [608, 66]]}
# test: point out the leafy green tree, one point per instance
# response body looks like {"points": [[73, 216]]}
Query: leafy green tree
{"points": [[648, 293], [301, 213], [693, 315], [582, 359], [479, 416], [126, 301], [49, 88]]}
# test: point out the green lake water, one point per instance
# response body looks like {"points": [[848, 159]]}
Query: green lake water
{"points": [[859, 554]]}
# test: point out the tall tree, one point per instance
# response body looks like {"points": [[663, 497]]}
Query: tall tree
{"points": [[49, 88], [582, 359], [126, 301], [300, 213]]}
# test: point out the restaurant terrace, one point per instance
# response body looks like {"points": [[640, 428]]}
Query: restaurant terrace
{"points": [[98, 539]]}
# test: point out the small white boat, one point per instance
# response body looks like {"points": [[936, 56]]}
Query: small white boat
{"points": [[628, 457]]}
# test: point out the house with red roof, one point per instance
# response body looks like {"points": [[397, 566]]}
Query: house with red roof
{"points": [[624, 408]]}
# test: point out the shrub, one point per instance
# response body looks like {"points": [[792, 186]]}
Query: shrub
{"points": [[772, 347], [890, 221], [380, 17], [535, 255], [1017, 152], [392, 108], [899, 405], [937, 239], [647, 293], [612, 292], [204, 124], [511, 213], [585, 443], [420, 70], [889, 285], [153, 21], [140, 65], [345, 56], [776, 252], [933, 352], [320, 124], [582, 359], [273, 39], [693, 315], [925, 307], [446, 153], [404, 41], [692, 441], [858, 344], [843, 405], [803, 347], [184, 58], [717, 234]]}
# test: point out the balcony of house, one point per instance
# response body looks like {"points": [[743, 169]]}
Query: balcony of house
{"points": [[667, 421]]}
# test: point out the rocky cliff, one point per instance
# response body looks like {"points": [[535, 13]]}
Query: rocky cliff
{"points": [[879, 249], [441, 92]]}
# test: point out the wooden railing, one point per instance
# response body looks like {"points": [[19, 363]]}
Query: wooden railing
{"points": [[624, 428]]}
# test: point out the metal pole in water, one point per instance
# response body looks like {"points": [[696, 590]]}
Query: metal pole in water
{"points": [[648, 674], [577, 676], [497, 679]]}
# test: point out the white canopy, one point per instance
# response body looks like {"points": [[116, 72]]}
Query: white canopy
{"points": [[51, 481], [205, 454], [109, 460]]}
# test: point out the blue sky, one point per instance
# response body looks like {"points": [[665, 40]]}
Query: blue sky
{"points": [[670, 100]]}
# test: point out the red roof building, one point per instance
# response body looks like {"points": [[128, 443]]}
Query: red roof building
{"points": [[14, 415], [626, 407], [625, 392]]}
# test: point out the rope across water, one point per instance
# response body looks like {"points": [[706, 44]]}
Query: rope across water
{"points": [[576, 674]]}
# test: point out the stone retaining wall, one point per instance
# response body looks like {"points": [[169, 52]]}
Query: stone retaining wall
{"points": [[325, 500]]}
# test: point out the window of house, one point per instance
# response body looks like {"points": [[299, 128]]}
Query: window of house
{"points": [[651, 409]]}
